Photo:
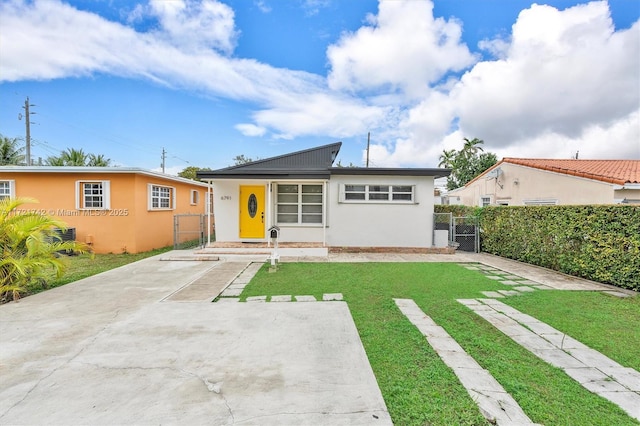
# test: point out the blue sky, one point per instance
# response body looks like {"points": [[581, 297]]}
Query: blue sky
{"points": [[209, 80]]}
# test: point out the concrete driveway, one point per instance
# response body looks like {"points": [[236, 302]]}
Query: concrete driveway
{"points": [[115, 349]]}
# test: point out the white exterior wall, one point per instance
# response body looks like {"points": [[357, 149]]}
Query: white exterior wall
{"points": [[518, 184], [227, 213], [381, 224]]}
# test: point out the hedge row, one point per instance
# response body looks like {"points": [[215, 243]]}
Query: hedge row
{"points": [[600, 243]]}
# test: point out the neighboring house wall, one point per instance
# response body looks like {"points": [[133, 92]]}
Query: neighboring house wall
{"points": [[125, 221], [384, 223], [519, 185]]}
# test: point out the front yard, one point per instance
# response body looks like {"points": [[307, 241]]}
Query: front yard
{"points": [[417, 386]]}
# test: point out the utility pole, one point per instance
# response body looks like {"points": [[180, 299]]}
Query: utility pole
{"points": [[164, 157], [28, 130], [368, 142]]}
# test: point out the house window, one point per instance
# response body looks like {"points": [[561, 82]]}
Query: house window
{"points": [[161, 197], [92, 195], [540, 202], [378, 193], [485, 201], [7, 189], [299, 204], [195, 197]]}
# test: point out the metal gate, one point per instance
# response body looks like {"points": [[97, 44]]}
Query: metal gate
{"points": [[189, 231], [463, 232], [466, 233]]}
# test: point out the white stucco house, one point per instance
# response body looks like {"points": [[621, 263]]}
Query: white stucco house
{"points": [[310, 201], [535, 181]]}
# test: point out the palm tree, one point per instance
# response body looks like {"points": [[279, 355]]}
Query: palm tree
{"points": [[29, 243], [447, 158], [98, 161], [10, 153], [77, 157], [471, 147], [74, 157]]}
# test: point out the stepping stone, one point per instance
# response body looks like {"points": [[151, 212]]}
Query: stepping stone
{"points": [[235, 285], [616, 293], [228, 300], [283, 298], [332, 296], [232, 292], [305, 299], [510, 292], [472, 268], [524, 288], [509, 282], [494, 277], [529, 282], [543, 287], [257, 299], [493, 294]]}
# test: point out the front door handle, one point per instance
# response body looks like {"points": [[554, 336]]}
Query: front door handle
{"points": [[262, 216]]}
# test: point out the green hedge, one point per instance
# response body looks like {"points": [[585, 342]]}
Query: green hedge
{"points": [[600, 243]]}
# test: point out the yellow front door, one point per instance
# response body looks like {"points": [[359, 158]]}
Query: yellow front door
{"points": [[252, 211]]}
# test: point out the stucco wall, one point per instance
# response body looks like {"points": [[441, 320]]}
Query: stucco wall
{"points": [[127, 225], [518, 184], [381, 224], [226, 210]]}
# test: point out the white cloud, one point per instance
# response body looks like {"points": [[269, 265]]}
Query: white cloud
{"points": [[403, 48], [196, 23], [263, 6], [249, 129], [566, 81]]}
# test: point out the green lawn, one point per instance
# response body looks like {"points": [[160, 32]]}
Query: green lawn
{"points": [[417, 386]]}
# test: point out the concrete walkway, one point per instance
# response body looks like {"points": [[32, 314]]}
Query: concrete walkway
{"points": [[136, 346]]}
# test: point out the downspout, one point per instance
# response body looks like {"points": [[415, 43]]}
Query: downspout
{"points": [[209, 207], [324, 214], [269, 209]]}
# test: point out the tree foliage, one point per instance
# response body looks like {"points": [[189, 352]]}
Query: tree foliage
{"points": [[241, 159], [466, 163], [29, 243], [77, 157], [11, 154], [190, 172]]}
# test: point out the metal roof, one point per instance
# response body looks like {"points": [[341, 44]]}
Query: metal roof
{"points": [[314, 163]]}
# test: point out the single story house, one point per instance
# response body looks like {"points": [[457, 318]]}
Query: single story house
{"points": [[113, 209], [533, 181], [312, 202]]}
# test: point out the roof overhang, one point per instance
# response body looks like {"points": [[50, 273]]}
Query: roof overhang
{"points": [[96, 170], [382, 171]]}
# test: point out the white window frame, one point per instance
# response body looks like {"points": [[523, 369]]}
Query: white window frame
{"points": [[80, 194], [485, 200], [12, 189], [368, 192], [194, 199], [150, 197], [301, 204]]}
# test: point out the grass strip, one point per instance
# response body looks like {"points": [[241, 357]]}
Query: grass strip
{"points": [[417, 386], [86, 265]]}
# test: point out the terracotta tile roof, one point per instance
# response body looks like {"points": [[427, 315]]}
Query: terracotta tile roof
{"points": [[612, 171]]}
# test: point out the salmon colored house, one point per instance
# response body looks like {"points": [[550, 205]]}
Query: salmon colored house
{"points": [[113, 209]]}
